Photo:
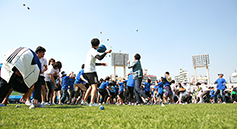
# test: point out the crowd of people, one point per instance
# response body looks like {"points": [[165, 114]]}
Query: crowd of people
{"points": [[28, 72]]}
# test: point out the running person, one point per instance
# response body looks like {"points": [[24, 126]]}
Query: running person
{"points": [[90, 70]]}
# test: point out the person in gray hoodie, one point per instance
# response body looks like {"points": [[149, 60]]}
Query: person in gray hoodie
{"points": [[137, 76]]}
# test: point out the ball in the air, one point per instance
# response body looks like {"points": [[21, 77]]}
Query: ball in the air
{"points": [[102, 48], [102, 107]]}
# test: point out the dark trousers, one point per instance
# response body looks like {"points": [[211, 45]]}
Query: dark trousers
{"points": [[221, 93], [104, 95], [130, 95], [137, 89], [37, 90], [49, 90]]}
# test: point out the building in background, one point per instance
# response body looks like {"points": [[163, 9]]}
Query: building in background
{"points": [[183, 75], [152, 77]]}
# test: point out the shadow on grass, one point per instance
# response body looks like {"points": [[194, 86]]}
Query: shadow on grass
{"points": [[69, 107]]}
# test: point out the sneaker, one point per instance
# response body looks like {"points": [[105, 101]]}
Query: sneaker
{"points": [[84, 103], [224, 103], [93, 104], [2, 105], [34, 105], [42, 103], [28, 103], [47, 104], [234, 102], [129, 103], [162, 105]]}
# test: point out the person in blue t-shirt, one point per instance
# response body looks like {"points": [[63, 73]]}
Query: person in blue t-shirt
{"points": [[221, 84], [80, 84], [65, 84], [130, 85], [113, 91], [212, 94], [160, 91], [103, 90], [147, 89], [120, 83]]}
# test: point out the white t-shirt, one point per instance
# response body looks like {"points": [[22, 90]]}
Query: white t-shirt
{"points": [[90, 61], [50, 70], [187, 87], [43, 62]]}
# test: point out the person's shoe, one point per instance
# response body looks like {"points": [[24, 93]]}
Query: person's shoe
{"points": [[234, 102], [224, 103], [162, 105], [35, 105], [47, 104], [146, 101], [42, 103], [2, 105], [84, 103], [28, 103], [93, 104], [129, 103]]}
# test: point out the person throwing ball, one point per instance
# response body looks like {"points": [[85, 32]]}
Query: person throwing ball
{"points": [[90, 70]]}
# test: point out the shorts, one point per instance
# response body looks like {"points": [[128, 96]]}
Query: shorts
{"points": [[42, 81], [120, 94], [19, 85], [58, 88], [169, 91], [160, 96], [83, 87], [52, 85], [92, 78]]}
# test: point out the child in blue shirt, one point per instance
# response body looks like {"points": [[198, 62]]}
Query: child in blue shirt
{"points": [[220, 88], [160, 91], [147, 89], [65, 84], [121, 90]]}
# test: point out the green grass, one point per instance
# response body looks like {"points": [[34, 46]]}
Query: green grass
{"points": [[146, 116], [15, 93]]}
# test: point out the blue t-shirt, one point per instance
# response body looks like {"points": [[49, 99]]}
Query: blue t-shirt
{"points": [[36, 59], [212, 93], [160, 87], [71, 83], [220, 83], [113, 89], [65, 82], [130, 81], [121, 87], [147, 86], [78, 78], [103, 85], [166, 82]]}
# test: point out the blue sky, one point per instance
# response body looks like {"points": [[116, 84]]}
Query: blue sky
{"points": [[170, 31]]}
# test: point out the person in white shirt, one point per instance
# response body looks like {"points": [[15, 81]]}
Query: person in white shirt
{"points": [[40, 51], [203, 90], [50, 81], [90, 70]]}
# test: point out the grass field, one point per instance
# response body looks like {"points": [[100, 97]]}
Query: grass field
{"points": [[123, 116]]}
